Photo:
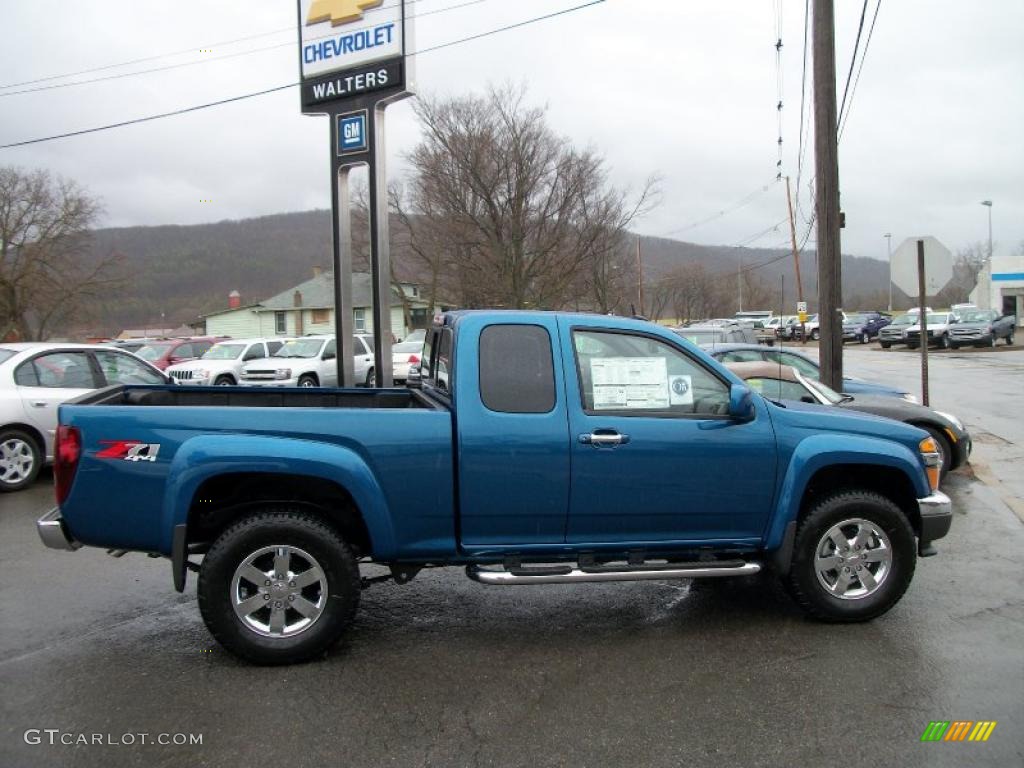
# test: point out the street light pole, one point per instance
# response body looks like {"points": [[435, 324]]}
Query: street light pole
{"points": [[888, 248], [988, 204]]}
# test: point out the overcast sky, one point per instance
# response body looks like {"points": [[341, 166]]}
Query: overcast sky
{"points": [[682, 88]]}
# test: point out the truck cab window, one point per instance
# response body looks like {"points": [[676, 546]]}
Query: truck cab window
{"points": [[516, 369], [634, 375]]}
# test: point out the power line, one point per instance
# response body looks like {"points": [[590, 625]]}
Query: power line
{"points": [[803, 98], [219, 58], [853, 59], [856, 80], [242, 97], [745, 200]]}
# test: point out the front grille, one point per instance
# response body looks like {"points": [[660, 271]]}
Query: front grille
{"points": [[181, 375], [259, 375]]}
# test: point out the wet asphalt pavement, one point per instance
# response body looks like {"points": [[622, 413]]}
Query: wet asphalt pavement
{"points": [[446, 672]]}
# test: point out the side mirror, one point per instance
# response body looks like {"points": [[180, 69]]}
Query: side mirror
{"points": [[329, 355], [741, 403], [808, 399]]}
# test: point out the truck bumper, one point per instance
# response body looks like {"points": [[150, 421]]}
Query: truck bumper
{"points": [[936, 518], [54, 532]]}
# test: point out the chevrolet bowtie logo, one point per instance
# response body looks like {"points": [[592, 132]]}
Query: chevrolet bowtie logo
{"points": [[339, 11]]}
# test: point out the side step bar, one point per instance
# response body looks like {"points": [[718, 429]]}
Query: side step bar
{"points": [[570, 575]]}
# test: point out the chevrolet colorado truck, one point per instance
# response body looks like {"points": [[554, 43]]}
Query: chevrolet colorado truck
{"points": [[541, 448]]}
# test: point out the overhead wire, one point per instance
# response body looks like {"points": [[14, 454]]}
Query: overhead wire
{"points": [[274, 89], [210, 59], [853, 59], [860, 68], [742, 202]]}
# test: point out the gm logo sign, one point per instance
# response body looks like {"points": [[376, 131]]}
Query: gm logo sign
{"points": [[352, 136], [339, 11]]}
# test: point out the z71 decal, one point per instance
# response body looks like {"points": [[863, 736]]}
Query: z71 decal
{"points": [[129, 450]]}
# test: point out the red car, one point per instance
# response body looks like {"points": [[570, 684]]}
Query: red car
{"points": [[172, 351]]}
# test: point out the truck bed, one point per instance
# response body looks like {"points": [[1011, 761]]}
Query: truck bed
{"points": [[256, 397]]}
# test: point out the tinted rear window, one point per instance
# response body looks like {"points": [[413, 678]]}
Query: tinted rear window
{"points": [[6, 353], [516, 370]]}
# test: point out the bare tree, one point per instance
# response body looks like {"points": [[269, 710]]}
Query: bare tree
{"points": [[969, 262], [47, 276], [518, 214]]}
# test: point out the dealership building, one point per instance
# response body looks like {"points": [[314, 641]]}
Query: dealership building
{"points": [[1001, 286]]}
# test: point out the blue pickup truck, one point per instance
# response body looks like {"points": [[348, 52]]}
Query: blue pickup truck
{"points": [[540, 448]]}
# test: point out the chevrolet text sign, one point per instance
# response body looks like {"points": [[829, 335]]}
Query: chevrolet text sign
{"points": [[336, 35]]}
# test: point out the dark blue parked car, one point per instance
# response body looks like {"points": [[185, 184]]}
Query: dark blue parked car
{"points": [[751, 353], [864, 326]]}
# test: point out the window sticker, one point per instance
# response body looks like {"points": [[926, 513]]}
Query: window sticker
{"points": [[630, 383], [680, 390]]}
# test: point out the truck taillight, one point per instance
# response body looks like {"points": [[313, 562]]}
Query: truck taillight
{"points": [[414, 359], [65, 460]]}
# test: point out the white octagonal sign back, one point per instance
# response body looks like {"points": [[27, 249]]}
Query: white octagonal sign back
{"points": [[938, 266]]}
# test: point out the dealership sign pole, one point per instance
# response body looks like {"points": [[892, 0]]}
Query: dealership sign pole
{"points": [[354, 61]]}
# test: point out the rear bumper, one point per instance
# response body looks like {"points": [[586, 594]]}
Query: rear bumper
{"points": [[54, 532], [936, 519]]}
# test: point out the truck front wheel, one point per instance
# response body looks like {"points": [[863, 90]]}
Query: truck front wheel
{"points": [[854, 557], [278, 587]]}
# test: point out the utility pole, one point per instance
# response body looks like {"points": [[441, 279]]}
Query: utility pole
{"points": [[640, 279], [826, 164], [739, 278], [796, 258], [888, 248]]}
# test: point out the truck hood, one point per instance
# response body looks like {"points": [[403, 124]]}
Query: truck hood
{"points": [[816, 419]]}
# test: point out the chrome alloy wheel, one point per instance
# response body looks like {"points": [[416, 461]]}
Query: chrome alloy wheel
{"points": [[853, 559], [17, 460], [279, 591]]}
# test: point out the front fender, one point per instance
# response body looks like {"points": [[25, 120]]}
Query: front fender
{"points": [[206, 456], [820, 451]]}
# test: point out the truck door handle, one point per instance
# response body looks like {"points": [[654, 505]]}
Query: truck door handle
{"points": [[38, 403], [601, 439]]}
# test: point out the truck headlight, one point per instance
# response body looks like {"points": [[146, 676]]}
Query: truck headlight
{"points": [[283, 373], [201, 374], [932, 461]]}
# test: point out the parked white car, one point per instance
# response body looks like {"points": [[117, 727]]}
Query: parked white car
{"points": [[404, 355], [221, 365], [35, 378], [310, 361]]}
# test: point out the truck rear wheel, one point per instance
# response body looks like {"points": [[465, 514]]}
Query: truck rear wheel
{"points": [[853, 559], [278, 587]]}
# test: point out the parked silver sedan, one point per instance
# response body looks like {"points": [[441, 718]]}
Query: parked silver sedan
{"points": [[35, 378]]}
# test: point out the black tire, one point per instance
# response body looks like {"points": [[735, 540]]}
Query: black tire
{"points": [[21, 458], [803, 581], [944, 447], [224, 381], [944, 341], [954, 345], [885, 344], [274, 527], [912, 346], [865, 337], [815, 335], [1009, 340], [308, 380], [371, 378], [992, 340]]}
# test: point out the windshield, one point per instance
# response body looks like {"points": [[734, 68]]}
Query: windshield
{"points": [[829, 394], [5, 354], [975, 317], [858, 319], [300, 348], [153, 351], [710, 336], [224, 352], [937, 319], [905, 320]]}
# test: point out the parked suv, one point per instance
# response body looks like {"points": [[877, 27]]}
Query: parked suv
{"points": [[864, 326], [221, 365], [938, 326], [981, 327], [310, 361], [896, 331], [168, 352]]}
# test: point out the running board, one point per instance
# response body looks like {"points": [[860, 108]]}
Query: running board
{"points": [[570, 575]]}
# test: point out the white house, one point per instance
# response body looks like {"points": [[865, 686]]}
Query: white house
{"points": [[1001, 286], [309, 308]]}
